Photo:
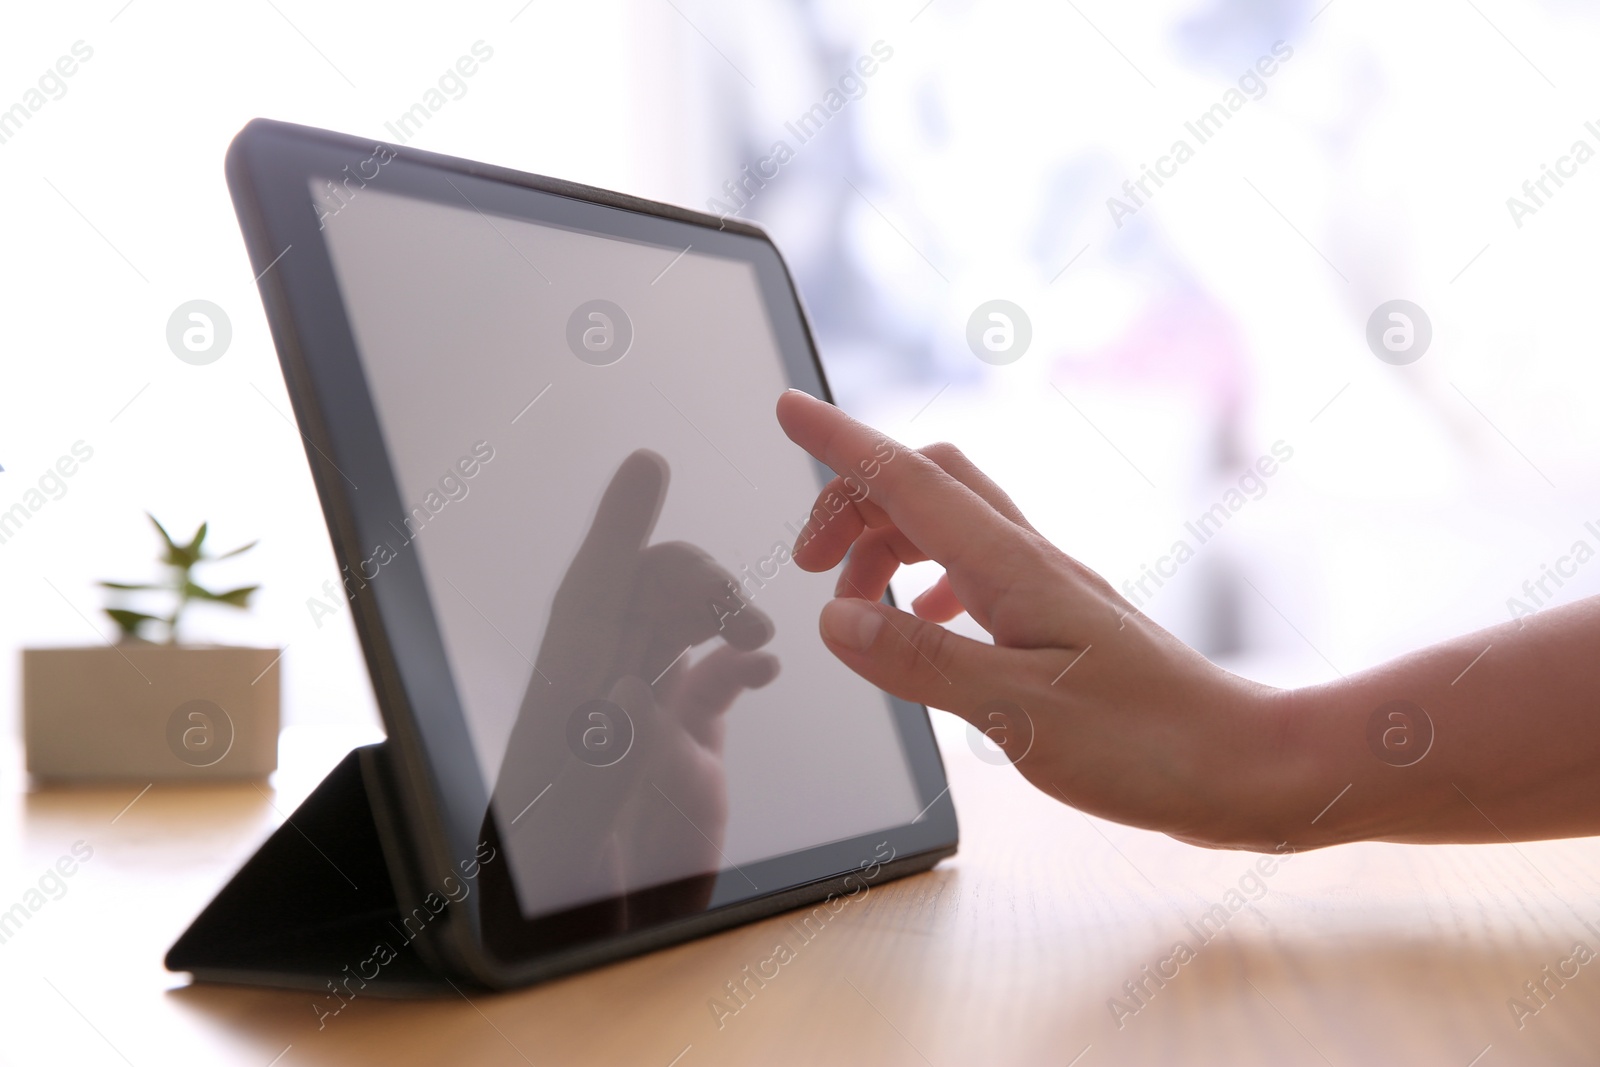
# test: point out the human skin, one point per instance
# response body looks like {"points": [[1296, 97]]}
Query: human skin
{"points": [[1106, 711]]}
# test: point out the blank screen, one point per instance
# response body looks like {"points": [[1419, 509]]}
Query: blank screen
{"points": [[602, 504]]}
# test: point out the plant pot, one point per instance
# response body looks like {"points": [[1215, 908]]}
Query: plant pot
{"points": [[147, 712]]}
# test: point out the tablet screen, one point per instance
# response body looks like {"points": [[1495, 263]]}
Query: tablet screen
{"points": [[602, 506]]}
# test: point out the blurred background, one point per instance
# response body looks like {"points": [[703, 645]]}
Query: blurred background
{"points": [[1178, 334]]}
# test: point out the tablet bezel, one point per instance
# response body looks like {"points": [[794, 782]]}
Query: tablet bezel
{"points": [[432, 826]]}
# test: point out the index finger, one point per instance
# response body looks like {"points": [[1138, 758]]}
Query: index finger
{"points": [[952, 524]]}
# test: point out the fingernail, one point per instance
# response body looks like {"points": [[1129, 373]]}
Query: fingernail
{"points": [[851, 623]]}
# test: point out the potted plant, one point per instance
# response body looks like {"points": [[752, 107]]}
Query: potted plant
{"points": [[150, 706]]}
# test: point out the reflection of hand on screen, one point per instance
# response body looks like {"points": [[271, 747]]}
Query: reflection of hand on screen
{"points": [[618, 744]]}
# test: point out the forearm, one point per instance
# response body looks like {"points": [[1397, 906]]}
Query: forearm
{"points": [[1514, 754]]}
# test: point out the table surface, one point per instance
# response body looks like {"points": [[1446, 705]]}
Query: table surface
{"points": [[1012, 952]]}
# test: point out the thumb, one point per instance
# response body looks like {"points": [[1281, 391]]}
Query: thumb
{"points": [[922, 661]]}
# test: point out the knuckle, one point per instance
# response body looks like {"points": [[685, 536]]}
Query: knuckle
{"points": [[943, 453], [928, 649], [902, 548]]}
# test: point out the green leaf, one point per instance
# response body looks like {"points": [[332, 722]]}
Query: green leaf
{"points": [[239, 598], [236, 552], [130, 621], [182, 558], [162, 530], [176, 555]]}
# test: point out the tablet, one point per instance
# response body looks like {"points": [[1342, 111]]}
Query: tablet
{"points": [[540, 420]]}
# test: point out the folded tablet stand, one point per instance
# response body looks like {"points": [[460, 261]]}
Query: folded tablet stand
{"points": [[308, 908]]}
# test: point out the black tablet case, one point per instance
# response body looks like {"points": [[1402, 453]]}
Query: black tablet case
{"points": [[295, 916]]}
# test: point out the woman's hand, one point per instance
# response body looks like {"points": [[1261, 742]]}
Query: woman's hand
{"points": [[1094, 703]]}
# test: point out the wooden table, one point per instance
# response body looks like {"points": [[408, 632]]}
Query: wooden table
{"points": [[1010, 953]]}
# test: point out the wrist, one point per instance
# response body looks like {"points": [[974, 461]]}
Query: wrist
{"points": [[1301, 769], [1332, 778], [1272, 789]]}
